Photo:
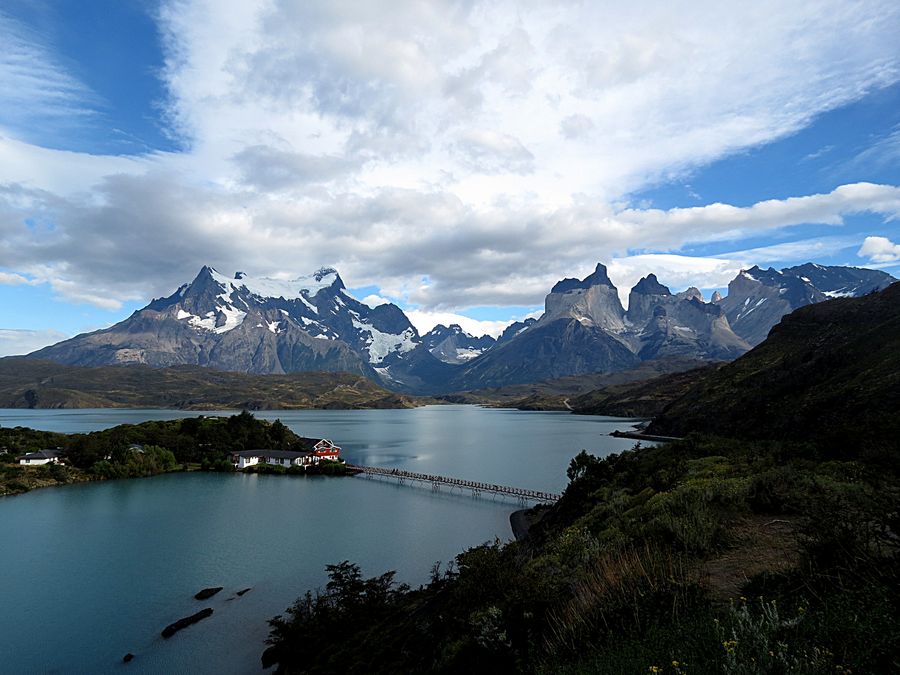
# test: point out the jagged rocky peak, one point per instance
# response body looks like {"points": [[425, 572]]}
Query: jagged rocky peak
{"points": [[598, 277], [692, 293], [679, 324], [514, 329], [593, 301], [716, 297], [451, 344], [757, 298], [646, 295], [650, 285]]}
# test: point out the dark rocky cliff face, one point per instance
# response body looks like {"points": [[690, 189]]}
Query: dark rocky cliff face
{"points": [[682, 324], [592, 301]]}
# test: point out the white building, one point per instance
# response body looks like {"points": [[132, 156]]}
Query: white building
{"points": [[41, 457], [284, 458], [324, 449]]}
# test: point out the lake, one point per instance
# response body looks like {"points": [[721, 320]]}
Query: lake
{"points": [[94, 571]]}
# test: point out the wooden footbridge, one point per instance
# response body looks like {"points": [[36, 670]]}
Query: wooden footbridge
{"points": [[438, 482]]}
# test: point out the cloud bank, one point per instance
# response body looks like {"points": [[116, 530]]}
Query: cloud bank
{"points": [[15, 342], [453, 154], [880, 250]]}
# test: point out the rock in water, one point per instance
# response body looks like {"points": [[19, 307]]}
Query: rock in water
{"points": [[207, 593], [173, 628], [239, 593], [127, 658]]}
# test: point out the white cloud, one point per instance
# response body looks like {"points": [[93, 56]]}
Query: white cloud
{"points": [[35, 85], [373, 300], [490, 152], [803, 250], [14, 342], [480, 144], [678, 272], [12, 279], [425, 321], [880, 250]]}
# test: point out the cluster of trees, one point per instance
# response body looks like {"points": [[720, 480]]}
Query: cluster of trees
{"points": [[615, 577], [135, 462], [15, 441], [324, 467], [205, 441]]}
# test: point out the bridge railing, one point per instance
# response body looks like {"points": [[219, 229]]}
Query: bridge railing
{"points": [[523, 494]]}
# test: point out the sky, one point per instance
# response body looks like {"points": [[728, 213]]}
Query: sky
{"points": [[456, 158]]}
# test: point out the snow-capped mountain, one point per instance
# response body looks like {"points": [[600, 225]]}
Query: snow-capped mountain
{"points": [[451, 344], [312, 323], [757, 298], [255, 325], [841, 282]]}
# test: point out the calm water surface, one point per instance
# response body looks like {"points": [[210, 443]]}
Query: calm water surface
{"points": [[94, 571]]}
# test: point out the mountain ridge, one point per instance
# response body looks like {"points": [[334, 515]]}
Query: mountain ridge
{"points": [[312, 323]]}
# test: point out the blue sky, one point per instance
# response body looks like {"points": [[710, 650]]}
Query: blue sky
{"points": [[456, 161]]}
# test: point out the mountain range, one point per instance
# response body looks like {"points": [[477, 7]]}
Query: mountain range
{"points": [[313, 324]]}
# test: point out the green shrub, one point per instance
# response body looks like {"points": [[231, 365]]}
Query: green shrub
{"points": [[775, 491], [15, 486], [59, 473]]}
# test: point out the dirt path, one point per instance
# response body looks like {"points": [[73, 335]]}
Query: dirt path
{"points": [[763, 544]]}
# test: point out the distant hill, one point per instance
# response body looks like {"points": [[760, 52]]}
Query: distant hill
{"points": [[30, 383], [562, 393], [646, 398], [829, 372]]}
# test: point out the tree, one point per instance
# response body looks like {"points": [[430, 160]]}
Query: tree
{"points": [[580, 465]]}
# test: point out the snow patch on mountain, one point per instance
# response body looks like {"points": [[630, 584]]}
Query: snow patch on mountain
{"points": [[468, 354], [264, 287], [380, 344], [224, 319]]}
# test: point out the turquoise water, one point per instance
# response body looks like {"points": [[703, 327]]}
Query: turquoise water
{"points": [[94, 571]]}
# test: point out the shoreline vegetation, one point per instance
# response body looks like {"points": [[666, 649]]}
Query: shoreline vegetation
{"points": [[703, 555], [150, 449]]}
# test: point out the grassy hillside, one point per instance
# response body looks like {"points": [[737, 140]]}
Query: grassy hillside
{"points": [[559, 394], [28, 383], [828, 373], [702, 556], [640, 399]]}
